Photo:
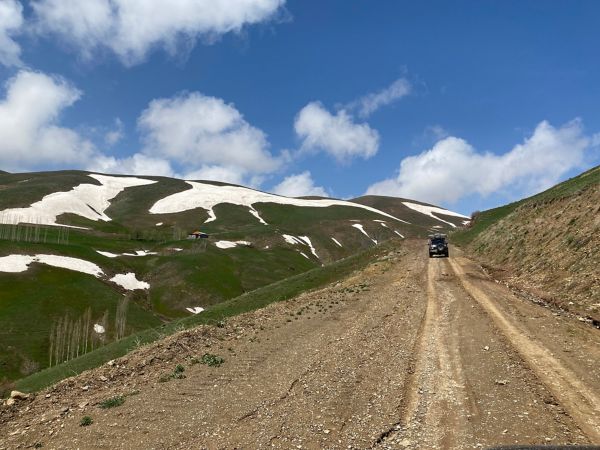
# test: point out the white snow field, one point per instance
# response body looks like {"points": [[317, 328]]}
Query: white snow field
{"points": [[129, 281], [230, 244], [360, 228], [86, 200], [431, 210], [207, 196], [336, 241], [20, 263]]}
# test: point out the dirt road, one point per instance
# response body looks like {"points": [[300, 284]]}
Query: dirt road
{"points": [[411, 352]]}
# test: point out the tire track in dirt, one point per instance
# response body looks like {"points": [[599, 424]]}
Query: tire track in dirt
{"points": [[579, 400], [436, 388]]}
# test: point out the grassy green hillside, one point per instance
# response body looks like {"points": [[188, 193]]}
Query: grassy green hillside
{"points": [[181, 273], [250, 301]]}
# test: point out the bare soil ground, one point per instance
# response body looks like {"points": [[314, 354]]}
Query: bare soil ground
{"points": [[410, 352]]}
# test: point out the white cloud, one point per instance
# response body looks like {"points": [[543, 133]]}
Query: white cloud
{"points": [[137, 164], [132, 28], [30, 134], [11, 21], [300, 185], [338, 135], [204, 136], [453, 169], [231, 175], [370, 103], [116, 134]]}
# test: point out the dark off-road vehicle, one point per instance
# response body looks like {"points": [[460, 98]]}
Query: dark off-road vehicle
{"points": [[438, 245]]}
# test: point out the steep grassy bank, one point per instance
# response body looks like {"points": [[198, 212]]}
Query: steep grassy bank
{"points": [[547, 243]]}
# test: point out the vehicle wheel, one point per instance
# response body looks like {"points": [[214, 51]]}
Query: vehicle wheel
{"points": [[446, 254], [431, 255]]}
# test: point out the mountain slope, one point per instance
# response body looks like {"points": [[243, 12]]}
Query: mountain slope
{"points": [[547, 243], [134, 232]]}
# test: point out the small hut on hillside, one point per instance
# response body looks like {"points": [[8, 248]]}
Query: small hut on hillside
{"points": [[197, 235]]}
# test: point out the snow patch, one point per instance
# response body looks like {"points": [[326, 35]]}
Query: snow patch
{"points": [[307, 241], [211, 216], [85, 200], [99, 329], [177, 249], [207, 196], [292, 239], [255, 214], [15, 263], [399, 234], [129, 281], [304, 254], [140, 253], [336, 241], [431, 210], [159, 224], [107, 254], [195, 309], [20, 263], [360, 228], [230, 244]]}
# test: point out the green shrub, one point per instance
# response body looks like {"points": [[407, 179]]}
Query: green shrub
{"points": [[212, 360], [112, 402], [86, 421]]}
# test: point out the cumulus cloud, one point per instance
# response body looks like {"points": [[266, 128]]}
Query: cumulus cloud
{"points": [[11, 21], [132, 28], [335, 134], [30, 134], [203, 135], [116, 134], [137, 164], [453, 169], [370, 103], [300, 185]]}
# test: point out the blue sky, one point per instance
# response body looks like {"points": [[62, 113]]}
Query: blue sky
{"points": [[465, 104]]}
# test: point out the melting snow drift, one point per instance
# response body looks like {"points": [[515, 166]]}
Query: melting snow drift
{"points": [[207, 196], [20, 263], [360, 228], [431, 210], [129, 281], [195, 309], [86, 200], [336, 241], [230, 244]]}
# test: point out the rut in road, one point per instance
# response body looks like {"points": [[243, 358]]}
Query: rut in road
{"points": [[582, 403]]}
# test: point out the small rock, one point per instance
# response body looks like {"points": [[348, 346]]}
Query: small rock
{"points": [[19, 395], [111, 363], [10, 402], [501, 382], [103, 378], [326, 431], [85, 388], [486, 348]]}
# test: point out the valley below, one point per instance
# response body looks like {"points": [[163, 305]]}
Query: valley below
{"points": [[406, 352]]}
